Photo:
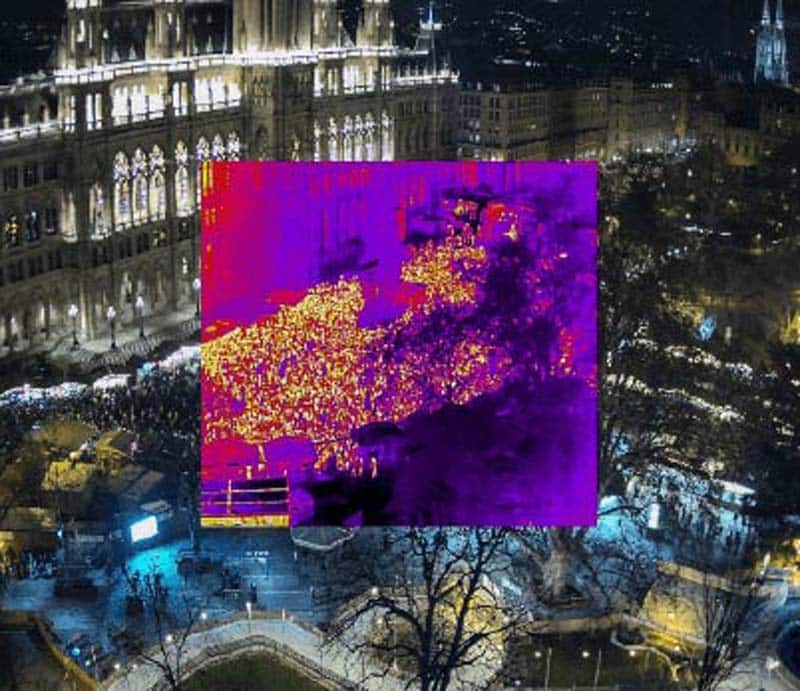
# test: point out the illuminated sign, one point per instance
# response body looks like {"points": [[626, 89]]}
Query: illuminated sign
{"points": [[144, 529]]}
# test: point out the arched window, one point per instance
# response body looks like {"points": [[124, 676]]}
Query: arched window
{"points": [[234, 147], [358, 139], [202, 154], [333, 141], [122, 191], [317, 142], [218, 148], [183, 202], [140, 191], [158, 190], [369, 137], [97, 211], [347, 137], [387, 137]]}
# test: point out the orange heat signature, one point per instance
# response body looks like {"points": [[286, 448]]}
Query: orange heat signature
{"points": [[311, 371]]}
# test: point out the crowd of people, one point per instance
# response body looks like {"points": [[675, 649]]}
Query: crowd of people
{"points": [[312, 371], [158, 409]]}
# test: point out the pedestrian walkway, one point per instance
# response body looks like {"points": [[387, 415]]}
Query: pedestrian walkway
{"points": [[175, 325], [178, 325], [286, 637]]}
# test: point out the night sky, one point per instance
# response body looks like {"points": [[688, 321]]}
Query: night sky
{"points": [[712, 29]]}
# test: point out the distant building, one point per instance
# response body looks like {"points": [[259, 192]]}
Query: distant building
{"points": [[771, 64], [745, 124], [593, 120]]}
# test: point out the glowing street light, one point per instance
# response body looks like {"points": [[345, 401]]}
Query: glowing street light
{"points": [[140, 310], [249, 606], [111, 315], [73, 314]]}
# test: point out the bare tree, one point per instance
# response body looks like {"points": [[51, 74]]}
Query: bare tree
{"points": [[169, 630], [723, 609], [448, 607]]}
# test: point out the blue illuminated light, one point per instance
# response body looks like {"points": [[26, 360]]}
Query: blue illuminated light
{"points": [[707, 328]]}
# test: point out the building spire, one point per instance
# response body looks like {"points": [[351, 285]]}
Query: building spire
{"points": [[766, 19], [779, 16]]}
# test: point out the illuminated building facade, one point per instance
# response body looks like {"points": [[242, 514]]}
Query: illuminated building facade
{"points": [[582, 121], [102, 158], [771, 63]]}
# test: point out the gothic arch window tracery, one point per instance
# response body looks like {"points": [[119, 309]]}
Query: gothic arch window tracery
{"points": [[369, 137], [387, 137], [218, 148], [358, 139], [98, 211], [183, 202], [295, 153], [234, 147], [333, 140], [202, 154], [122, 191], [140, 191], [347, 138], [317, 142], [158, 191]]}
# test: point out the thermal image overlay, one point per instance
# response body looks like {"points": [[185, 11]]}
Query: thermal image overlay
{"points": [[409, 343]]}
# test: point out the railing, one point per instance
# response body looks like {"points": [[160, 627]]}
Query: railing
{"points": [[216, 652], [125, 351], [259, 644], [109, 72], [130, 118], [16, 134], [402, 81], [205, 106]]}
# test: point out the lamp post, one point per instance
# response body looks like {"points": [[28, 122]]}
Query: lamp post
{"points": [[140, 310], [73, 314], [111, 314], [597, 668], [249, 606], [547, 669], [196, 286]]}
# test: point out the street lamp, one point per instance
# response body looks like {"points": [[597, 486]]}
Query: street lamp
{"points": [[140, 310], [547, 669], [196, 286], [73, 313], [111, 314], [249, 606]]}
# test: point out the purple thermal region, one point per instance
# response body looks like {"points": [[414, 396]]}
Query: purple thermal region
{"points": [[406, 343]]}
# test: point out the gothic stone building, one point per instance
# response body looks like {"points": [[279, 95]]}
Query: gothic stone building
{"points": [[101, 159]]}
